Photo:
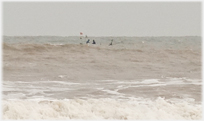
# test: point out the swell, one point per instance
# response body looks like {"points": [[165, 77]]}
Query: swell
{"points": [[34, 47], [104, 54], [78, 47], [9, 47]]}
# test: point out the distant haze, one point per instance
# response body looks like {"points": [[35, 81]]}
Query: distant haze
{"points": [[102, 18]]}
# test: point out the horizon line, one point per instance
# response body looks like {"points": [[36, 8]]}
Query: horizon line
{"points": [[98, 36]]}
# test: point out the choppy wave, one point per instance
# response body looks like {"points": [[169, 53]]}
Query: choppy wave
{"points": [[117, 89], [100, 109], [132, 65], [42, 47], [35, 47]]}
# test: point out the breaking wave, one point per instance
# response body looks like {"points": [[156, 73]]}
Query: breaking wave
{"points": [[100, 109]]}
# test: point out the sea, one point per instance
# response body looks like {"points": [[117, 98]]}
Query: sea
{"points": [[135, 78]]}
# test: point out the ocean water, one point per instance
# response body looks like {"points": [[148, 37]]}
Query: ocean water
{"points": [[135, 78]]}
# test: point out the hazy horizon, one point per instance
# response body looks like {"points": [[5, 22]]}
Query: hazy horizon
{"points": [[140, 19]]}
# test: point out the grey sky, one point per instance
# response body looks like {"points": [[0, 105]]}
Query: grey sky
{"points": [[102, 18]]}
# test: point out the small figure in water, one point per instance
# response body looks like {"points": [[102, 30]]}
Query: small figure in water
{"points": [[87, 41], [94, 42], [111, 42]]}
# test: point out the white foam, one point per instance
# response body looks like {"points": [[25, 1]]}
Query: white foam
{"points": [[60, 82], [36, 97], [195, 81], [147, 81], [126, 82], [61, 76], [9, 88], [154, 85], [38, 82], [99, 88], [150, 81], [56, 44], [14, 96], [159, 109], [112, 92], [108, 80]]}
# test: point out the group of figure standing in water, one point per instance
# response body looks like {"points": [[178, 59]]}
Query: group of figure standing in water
{"points": [[94, 42], [88, 41]]}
